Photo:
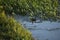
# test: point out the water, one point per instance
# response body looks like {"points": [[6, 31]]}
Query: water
{"points": [[42, 31]]}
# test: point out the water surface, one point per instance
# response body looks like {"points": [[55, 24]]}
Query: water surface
{"points": [[41, 31]]}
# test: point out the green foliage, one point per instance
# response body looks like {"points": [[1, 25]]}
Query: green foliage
{"points": [[39, 8], [11, 30]]}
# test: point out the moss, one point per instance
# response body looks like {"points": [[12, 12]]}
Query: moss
{"points": [[11, 30]]}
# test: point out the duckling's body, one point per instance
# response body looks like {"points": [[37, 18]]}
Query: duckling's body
{"points": [[33, 20]]}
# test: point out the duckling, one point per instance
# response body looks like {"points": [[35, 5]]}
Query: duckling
{"points": [[32, 19]]}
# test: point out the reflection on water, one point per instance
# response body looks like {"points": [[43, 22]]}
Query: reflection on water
{"points": [[42, 31]]}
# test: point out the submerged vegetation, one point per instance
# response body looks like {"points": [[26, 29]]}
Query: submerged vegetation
{"points": [[11, 30]]}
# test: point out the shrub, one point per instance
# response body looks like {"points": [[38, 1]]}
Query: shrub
{"points": [[11, 30]]}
